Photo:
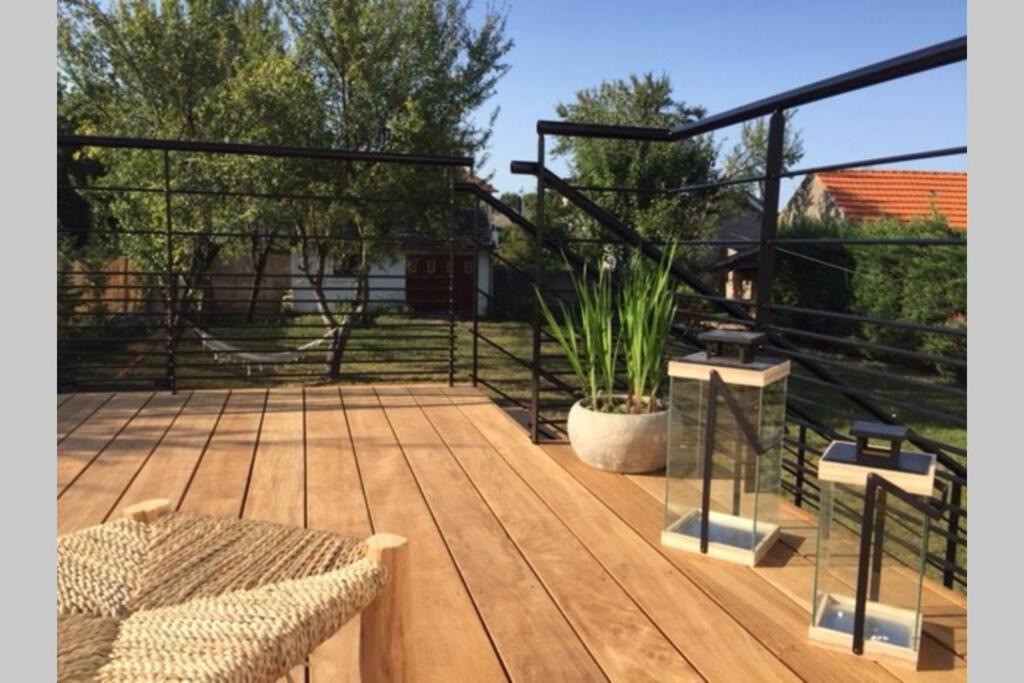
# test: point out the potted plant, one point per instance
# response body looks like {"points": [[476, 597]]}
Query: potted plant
{"points": [[616, 426]]}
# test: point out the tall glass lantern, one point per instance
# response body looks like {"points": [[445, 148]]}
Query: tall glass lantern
{"points": [[872, 543], [723, 475]]}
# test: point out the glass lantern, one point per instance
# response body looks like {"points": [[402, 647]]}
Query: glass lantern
{"points": [[872, 543], [723, 473]]}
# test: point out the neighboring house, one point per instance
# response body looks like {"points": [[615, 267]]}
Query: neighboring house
{"points": [[415, 277], [853, 195], [739, 267], [867, 195]]}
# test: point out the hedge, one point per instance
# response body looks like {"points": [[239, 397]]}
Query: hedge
{"points": [[920, 284]]}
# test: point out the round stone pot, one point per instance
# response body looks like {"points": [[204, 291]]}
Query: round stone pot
{"points": [[618, 442]]}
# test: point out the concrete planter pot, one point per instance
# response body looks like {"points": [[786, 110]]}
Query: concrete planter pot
{"points": [[618, 442]]}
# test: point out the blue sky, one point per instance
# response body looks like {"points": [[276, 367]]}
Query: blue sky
{"points": [[726, 53]]}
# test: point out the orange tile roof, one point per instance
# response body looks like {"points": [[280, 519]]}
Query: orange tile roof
{"points": [[865, 195]]}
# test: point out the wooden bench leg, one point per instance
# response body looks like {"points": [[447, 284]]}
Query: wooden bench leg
{"points": [[148, 510], [383, 622]]}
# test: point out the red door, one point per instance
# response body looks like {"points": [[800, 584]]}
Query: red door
{"points": [[426, 282]]}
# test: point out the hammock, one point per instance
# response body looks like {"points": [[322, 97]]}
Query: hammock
{"points": [[226, 353]]}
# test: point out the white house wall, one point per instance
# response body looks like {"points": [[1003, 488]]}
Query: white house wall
{"points": [[387, 285]]}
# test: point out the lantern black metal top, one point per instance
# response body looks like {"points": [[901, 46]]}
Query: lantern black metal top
{"points": [[739, 345], [888, 455]]}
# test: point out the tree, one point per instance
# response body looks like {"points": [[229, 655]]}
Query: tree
{"points": [[202, 70], [642, 101], [372, 76], [392, 75], [748, 157]]}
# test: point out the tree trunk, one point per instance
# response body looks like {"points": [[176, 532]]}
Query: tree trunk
{"points": [[260, 254]]}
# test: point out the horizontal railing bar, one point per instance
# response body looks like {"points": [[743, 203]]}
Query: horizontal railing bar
{"points": [[932, 57], [902, 324], [253, 194], [881, 348], [909, 407], [878, 161], [312, 352], [600, 130], [269, 277], [888, 376], [318, 361], [871, 241], [250, 149], [660, 243], [281, 237], [717, 184]]}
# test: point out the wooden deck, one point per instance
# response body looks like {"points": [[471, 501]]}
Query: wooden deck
{"points": [[526, 564]]}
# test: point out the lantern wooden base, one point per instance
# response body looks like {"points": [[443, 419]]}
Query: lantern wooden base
{"points": [[842, 641], [676, 537]]}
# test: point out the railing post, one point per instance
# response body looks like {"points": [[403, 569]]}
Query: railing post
{"points": [[172, 285], [451, 280], [801, 463], [769, 217], [538, 253], [953, 529], [476, 290]]}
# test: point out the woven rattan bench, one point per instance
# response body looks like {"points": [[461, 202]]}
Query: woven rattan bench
{"points": [[166, 596]]}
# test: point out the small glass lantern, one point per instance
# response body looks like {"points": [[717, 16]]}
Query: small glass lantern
{"points": [[871, 559], [723, 474]]}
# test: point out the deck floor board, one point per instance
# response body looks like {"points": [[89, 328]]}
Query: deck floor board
{"points": [[526, 564]]}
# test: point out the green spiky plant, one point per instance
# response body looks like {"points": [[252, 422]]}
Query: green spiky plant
{"points": [[644, 308], [586, 335], [647, 307]]}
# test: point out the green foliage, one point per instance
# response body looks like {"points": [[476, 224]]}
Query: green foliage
{"points": [[916, 284], [382, 75], [646, 310], [586, 336], [748, 157], [634, 318], [642, 101]]}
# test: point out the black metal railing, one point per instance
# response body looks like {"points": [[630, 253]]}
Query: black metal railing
{"points": [[192, 295], [830, 386]]}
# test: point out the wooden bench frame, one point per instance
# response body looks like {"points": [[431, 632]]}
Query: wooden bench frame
{"points": [[382, 624]]}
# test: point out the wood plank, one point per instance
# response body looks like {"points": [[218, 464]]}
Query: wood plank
{"points": [[76, 409], [771, 614], [504, 588], [277, 487], [89, 440], [64, 398], [222, 478], [447, 640], [168, 470], [715, 643], [97, 490], [334, 502]]}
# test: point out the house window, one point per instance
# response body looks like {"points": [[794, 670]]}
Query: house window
{"points": [[431, 267]]}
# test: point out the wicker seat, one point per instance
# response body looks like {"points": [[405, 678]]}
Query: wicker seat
{"points": [[194, 598]]}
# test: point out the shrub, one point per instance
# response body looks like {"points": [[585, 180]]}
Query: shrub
{"points": [[920, 284]]}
